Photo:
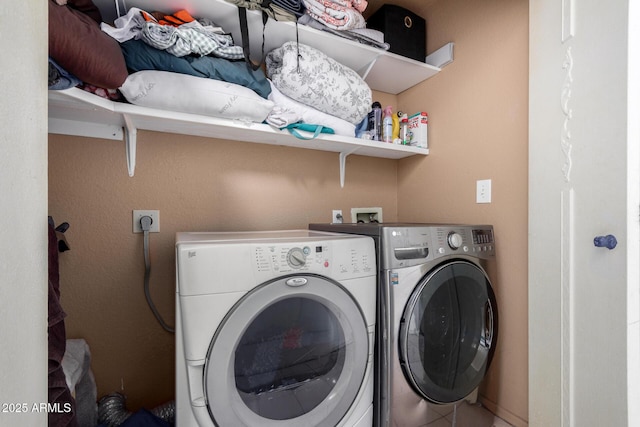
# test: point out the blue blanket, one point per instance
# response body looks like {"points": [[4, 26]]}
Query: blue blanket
{"points": [[140, 56]]}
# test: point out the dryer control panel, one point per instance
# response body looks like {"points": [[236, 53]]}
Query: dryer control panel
{"points": [[314, 257]]}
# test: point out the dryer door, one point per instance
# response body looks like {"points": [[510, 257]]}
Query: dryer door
{"points": [[448, 332], [292, 352]]}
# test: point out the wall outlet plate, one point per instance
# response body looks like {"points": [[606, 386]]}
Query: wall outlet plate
{"points": [[336, 216], [155, 220], [366, 215]]}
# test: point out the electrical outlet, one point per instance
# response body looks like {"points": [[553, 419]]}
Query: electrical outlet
{"points": [[155, 221], [336, 216], [366, 215], [483, 191]]}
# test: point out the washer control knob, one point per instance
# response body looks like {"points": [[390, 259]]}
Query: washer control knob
{"points": [[454, 240], [296, 258]]}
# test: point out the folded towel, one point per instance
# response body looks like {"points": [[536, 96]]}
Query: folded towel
{"points": [[281, 117], [335, 15]]}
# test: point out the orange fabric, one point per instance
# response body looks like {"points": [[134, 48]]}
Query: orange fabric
{"points": [[147, 17], [174, 20]]}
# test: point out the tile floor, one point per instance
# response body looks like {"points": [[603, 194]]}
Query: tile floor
{"points": [[463, 414]]}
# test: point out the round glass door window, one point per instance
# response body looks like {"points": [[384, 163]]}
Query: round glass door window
{"points": [[288, 356], [294, 346], [449, 332]]}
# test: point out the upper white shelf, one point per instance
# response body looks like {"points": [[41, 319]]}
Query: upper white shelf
{"points": [[383, 71]]}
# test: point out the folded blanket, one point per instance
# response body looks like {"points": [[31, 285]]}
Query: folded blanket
{"points": [[335, 15], [140, 56], [366, 36], [190, 38], [359, 5], [290, 111]]}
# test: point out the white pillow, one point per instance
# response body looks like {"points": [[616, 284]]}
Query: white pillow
{"points": [[197, 95]]}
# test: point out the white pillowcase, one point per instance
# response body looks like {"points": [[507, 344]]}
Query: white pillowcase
{"points": [[196, 95]]}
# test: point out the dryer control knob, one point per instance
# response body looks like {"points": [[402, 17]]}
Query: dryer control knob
{"points": [[454, 240], [296, 258]]}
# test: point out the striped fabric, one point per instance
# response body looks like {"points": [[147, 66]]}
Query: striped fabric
{"points": [[190, 38]]}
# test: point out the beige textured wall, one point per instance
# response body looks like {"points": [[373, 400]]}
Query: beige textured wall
{"points": [[197, 184], [478, 121]]}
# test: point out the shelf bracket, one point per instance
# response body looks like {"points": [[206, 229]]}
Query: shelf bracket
{"points": [[364, 71], [343, 165], [130, 140]]}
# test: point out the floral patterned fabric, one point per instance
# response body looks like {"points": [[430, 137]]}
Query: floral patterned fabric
{"points": [[312, 78]]}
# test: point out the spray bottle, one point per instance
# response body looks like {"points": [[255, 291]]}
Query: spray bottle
{"points": [[387, 125]]}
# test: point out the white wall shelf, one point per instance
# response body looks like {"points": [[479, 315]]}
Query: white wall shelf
{"points": [[80, 113]]}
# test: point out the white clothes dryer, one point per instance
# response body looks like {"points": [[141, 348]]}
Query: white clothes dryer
{"points": [[274, 329]]}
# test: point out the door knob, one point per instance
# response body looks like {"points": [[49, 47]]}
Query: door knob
{"points": [[609, 241]]}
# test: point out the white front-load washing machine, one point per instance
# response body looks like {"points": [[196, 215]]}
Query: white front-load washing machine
{"points": [[437, 315], [274, 329]]}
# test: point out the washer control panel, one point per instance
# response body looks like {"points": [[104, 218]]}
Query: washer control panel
{"points": [[473, 240], [412, 245]]}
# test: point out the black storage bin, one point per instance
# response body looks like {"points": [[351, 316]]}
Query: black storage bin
{"points": [[405, 31]]}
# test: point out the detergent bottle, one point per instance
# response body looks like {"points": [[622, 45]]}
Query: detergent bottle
{"points": [[387, 126], [405, 133], [396, 127]]}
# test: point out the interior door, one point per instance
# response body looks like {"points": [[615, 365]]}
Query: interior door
{"points": [[584, 136]]}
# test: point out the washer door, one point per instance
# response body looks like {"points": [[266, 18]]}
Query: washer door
{"points": [[448, 332], [292, 352]]}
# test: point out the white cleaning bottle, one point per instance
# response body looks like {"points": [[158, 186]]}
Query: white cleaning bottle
{"points": [[387, 125]]}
